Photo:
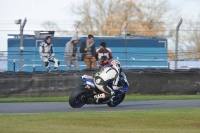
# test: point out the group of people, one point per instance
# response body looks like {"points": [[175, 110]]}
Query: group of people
{"points": [[89, 53], [111, 70]]}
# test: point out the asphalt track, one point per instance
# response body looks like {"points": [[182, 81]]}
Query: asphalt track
{"points": [[41, 107]]}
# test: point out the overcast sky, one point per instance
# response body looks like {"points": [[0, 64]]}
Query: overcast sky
{"points": [[38, 11]]}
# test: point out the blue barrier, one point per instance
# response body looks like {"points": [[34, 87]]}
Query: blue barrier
{"points": [[136, 53]]}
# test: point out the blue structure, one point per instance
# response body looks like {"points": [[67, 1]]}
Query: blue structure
{"points": [[134, 52]]}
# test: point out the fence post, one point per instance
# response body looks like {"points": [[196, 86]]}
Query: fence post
{"points": [[21, 43], [14, 65], [125, 42], [33, 68], [176, 48], [168, 64]]}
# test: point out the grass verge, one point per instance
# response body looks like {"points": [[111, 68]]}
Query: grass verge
{"points": [[151, 121], [128, 97]]}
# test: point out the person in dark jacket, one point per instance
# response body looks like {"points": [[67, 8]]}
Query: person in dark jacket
{"points": [[88, 52]]}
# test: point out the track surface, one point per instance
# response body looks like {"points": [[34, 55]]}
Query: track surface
{"points": [[40, 107]]}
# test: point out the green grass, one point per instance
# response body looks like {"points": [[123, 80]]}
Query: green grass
{"points": [[34, 99], [150, 121], [128, 97], [162, 97]]}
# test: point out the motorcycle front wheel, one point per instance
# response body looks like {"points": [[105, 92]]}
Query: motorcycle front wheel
{"points": [[116, 100]]}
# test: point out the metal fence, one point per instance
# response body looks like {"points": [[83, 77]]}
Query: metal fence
{"points": [[187, 52]]}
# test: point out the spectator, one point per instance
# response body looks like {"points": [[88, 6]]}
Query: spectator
{"points": [[88, 52], [46, 51], [103, 51], [104, 62], [71, 53]]}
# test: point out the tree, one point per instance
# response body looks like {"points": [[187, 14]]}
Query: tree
{"points": [[189, 44], [97, 14], [171, 55], [113, 15], [192, 44], [50, 26], [1, 53]]}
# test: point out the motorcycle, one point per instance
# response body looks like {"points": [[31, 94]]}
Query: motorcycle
{"points": [[84, 94]]}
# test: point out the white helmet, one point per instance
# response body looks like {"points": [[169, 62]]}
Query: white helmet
{"points": [[116, 65]]}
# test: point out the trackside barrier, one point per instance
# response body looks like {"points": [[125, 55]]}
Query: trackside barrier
{"points": [[61, 83]]}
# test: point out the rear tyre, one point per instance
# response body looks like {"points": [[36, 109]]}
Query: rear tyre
{"points": [[116, 100], [77, 88], [77, 97]]}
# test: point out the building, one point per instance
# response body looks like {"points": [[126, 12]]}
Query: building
{"points": [[134, 52]]}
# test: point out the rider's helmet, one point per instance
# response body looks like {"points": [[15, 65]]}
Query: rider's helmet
{"points": [[116, 65]]}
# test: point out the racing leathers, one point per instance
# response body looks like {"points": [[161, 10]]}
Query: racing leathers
{"points": [[105, 76], [47, 54]]}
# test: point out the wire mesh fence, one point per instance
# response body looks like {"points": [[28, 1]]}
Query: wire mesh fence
{"points": [[142, 55]]}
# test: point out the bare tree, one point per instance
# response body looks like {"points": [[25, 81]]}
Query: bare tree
{"points": [[153, 16], [97, 14], [1, 53], [189, 47], [192, 45], [171, 55], [113, 15], [50, 26]]}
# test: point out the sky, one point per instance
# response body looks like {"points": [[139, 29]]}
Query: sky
{"points": [[38, 11]]}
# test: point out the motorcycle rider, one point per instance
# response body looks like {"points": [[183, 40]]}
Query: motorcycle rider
{"points": [[107, 75]]}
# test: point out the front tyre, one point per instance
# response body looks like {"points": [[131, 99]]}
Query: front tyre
{"points": [[116, 100], [77, 98]]}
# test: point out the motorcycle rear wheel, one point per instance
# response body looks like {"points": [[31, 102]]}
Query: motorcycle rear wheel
{"points": [[76, 99]]}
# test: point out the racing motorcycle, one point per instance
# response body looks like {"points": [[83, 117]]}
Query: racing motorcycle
{"points": [[84, 94]]}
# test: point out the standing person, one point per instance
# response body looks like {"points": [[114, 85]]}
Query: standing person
{"points": [[71, 53], [47, 54], [88, 52], [103, 51]]}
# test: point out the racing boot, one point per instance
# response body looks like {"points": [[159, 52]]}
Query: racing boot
{"points": [[112, 96], [55, 69], [48, 69], [111, 99], [99, 96], [102, 96]]}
